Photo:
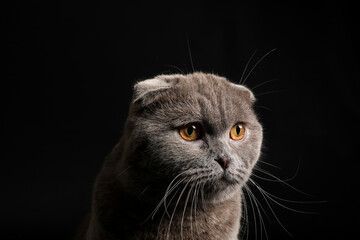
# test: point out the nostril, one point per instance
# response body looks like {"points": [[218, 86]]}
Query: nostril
{"points": [[223, 162]]}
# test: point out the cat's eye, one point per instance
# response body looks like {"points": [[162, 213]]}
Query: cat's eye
{"points": [[237, 132], [190, 132]]}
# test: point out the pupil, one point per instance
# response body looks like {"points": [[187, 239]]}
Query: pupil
{"points": [[190, 130], [238, 129]]}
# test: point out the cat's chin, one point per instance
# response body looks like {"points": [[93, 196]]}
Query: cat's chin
{"points": [[221, 188], [219, 196], [229, 179]]}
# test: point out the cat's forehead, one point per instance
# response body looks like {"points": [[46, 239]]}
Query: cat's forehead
{"points": [[207, 97], [207, 85]]}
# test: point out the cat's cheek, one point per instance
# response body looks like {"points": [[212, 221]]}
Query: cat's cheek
{"points": [[236, 145]]}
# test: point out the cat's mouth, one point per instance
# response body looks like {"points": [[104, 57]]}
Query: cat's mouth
{"points": [[223, 181], [221, 186], [228, 178]]}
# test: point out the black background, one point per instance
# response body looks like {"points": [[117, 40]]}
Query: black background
{"points": [[68, 71]]}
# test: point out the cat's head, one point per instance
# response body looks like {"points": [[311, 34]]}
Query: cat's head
{"points": [[198, 128]]}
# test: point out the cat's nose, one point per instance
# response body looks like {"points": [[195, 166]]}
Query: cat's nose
{"points": [[224, 162]]}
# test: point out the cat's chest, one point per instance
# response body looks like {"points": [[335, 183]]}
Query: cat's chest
{"points": [[214, 224]]}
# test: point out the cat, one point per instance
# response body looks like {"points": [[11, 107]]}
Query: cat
{"points": [[189, 145]]}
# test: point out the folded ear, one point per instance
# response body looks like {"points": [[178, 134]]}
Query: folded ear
{"points": [[247, 93], [146, 90]]}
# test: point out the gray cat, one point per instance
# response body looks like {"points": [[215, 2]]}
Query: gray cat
{"points": [[189, 145]]}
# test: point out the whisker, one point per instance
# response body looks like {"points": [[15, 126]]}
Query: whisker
{"points": [[247, 76], [259, 207], [265, 82], [269, 179], [166, 205], [269, 164], [245, 221], [166, 208], [143, 191], [254, 199], [270, 92], [275, 179], [196, 206], [246, 66], [264, 107], [272, 198], [193, 206], [167, 192], [175, 67], [183, 214], [269, 205], [191, 61], [281, 180], [253, 210], [202, 196], [152, 215], [177, 202], [123, 171], [262, 223]]}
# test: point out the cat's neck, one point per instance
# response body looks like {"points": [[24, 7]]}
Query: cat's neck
{"points": [[214, 221], [128, 218]]}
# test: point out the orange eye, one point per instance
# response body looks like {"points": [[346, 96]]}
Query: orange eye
{"points": [[237, 132], [190, 132]]}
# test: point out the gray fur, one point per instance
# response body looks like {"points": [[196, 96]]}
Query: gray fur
{"points": [[206, 203]]}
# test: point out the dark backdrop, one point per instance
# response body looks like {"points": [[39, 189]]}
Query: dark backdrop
{"points": [[68, 71]]}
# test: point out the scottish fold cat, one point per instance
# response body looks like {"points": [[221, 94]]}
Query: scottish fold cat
{"points": [[190, 143]]}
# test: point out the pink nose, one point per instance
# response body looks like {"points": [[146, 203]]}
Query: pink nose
{"points": [[223, 162]]}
